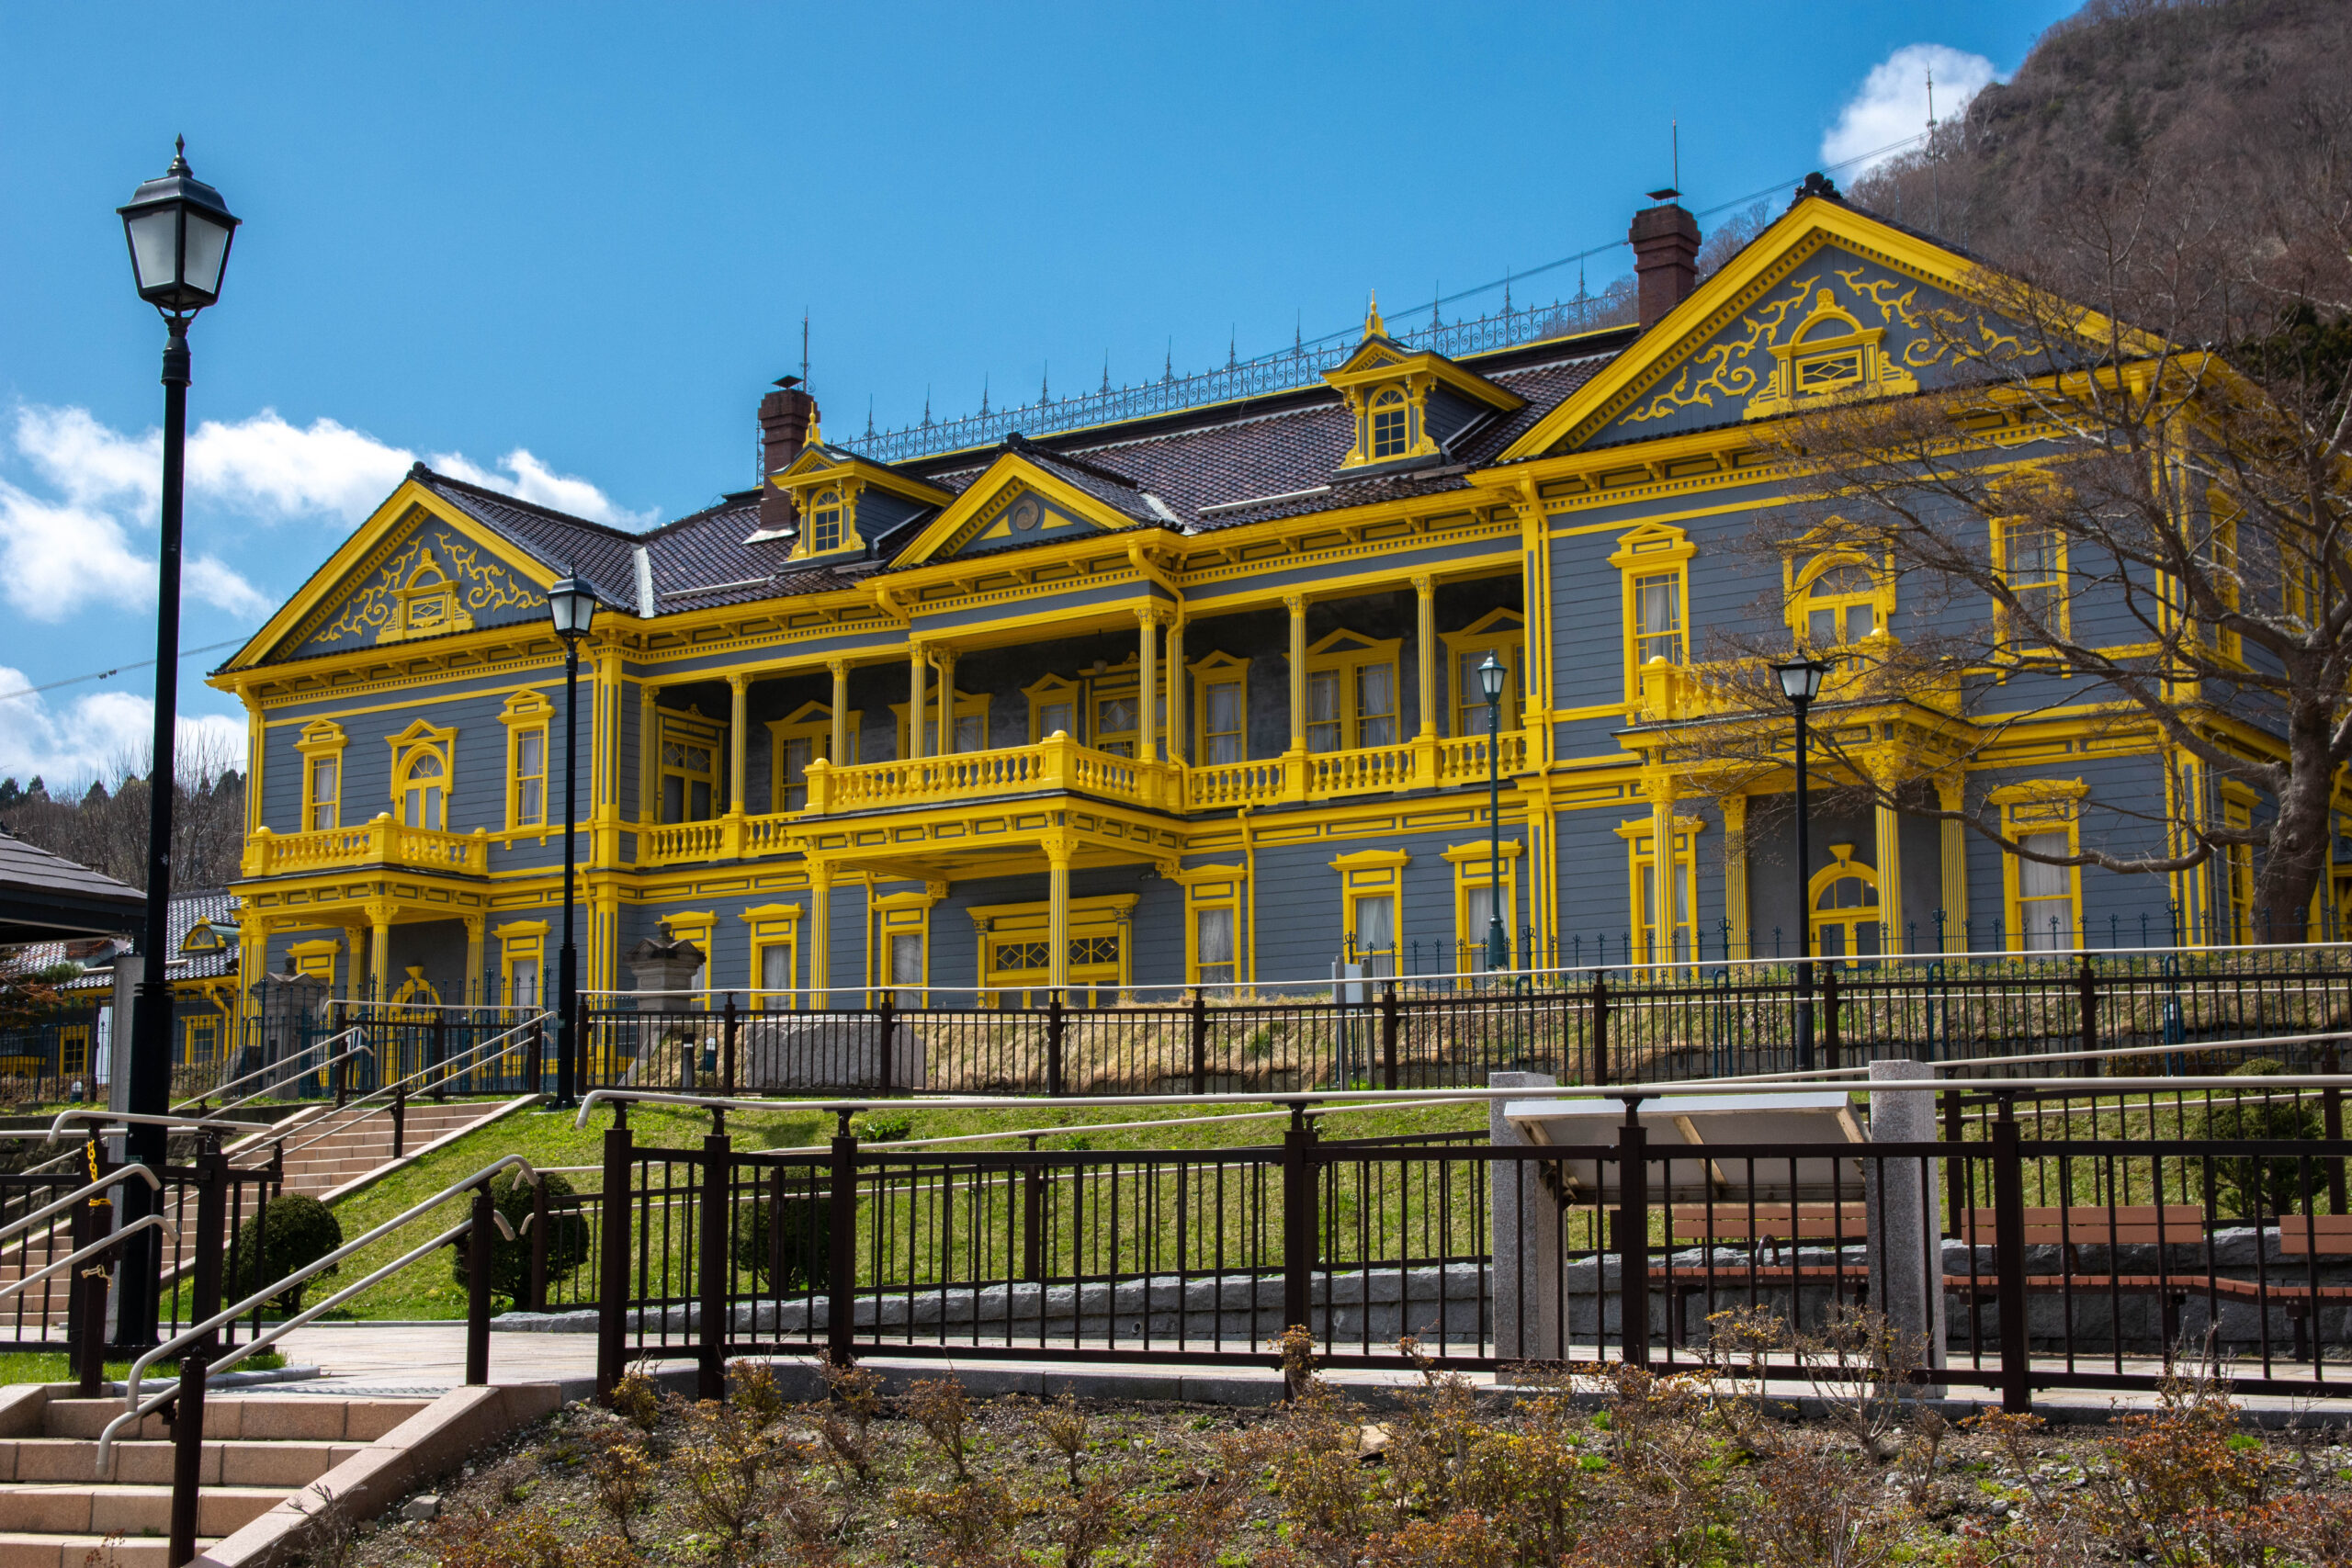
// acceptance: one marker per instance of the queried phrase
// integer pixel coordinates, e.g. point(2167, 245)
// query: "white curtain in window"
point(1213, 939)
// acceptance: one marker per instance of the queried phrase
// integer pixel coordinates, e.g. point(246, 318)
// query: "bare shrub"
point(941, 1408)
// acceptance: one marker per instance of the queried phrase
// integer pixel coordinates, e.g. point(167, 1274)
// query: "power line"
point(136, 664)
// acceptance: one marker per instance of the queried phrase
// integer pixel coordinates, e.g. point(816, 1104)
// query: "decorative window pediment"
point(1406, 403)
point(1830, 355)
point(428, 603)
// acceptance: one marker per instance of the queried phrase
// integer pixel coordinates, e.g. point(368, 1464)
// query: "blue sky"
point(564, 248)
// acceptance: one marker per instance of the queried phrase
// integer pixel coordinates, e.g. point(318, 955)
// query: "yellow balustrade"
point(381, 843)
point(1060, 763)
point(1236, 784)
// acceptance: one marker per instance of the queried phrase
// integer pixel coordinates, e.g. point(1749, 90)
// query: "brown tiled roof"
point(1207, 459)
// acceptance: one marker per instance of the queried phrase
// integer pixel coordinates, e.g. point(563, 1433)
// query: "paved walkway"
point(423, 1359)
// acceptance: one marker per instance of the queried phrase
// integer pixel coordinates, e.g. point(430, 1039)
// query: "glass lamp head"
point(571, 604)
point(1801, 679)
point(1491, 675)
point(179, 231)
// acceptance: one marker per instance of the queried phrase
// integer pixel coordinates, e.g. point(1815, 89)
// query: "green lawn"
point(429, 1289)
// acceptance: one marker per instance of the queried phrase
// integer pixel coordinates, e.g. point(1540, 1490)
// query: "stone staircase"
point(56, 1512)
point(334, 1148)
point(343, 1145)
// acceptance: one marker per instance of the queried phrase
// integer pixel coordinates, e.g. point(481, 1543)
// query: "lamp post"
point(571, 604)
point(1800, 682)
point(179, 231)
point(1491, 675)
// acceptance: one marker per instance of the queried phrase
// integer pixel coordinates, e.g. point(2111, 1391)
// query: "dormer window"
point(827, 519)
point(1391, 422)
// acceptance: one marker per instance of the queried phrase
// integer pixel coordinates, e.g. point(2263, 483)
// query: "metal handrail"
point(144, 1221)
point(112, 1179)
point(445, 1067)
point(281, 1066)
point(196, 1333)
point(137, 1119)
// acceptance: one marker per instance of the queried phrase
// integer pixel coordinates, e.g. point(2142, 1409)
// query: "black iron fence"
point(1642, 1024)
point(1999, 1257)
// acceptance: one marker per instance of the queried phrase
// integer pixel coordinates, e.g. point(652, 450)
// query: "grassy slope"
point(429, 1288)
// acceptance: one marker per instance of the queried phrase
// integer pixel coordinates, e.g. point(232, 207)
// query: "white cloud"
point(268, 469)
point(266, 466)
point(56, 558)
point(95, 735)
point(78, 545)
point(1893, 100)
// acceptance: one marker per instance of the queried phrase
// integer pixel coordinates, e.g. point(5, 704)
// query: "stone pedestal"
point(1906, 1223)
point(1526, 1233)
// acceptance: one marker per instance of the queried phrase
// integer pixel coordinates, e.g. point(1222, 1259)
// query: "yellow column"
point(1147, 679)
point(1178, 683)
point(649, 754)
point(1425, 593)
point(916, 683)
point(1297, 605)
point(944, 659)
point(1952, 841)
point(1057, 913)
point(474, 924)
point(738, 721)
point(1889, 824)
point(1736, 872)
point(379, 947)
point(1664, 884)
point(820, 933)
point(839, 670)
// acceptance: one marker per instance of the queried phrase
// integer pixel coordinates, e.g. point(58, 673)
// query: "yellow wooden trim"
point(1210, 669)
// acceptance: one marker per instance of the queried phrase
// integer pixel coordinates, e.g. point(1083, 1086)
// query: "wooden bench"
point(1771, 1223)
point(2313, 1237)
point(2124, 1224)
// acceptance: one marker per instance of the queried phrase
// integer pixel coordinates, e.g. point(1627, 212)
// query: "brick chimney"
point(785, 415)
point(1666, 250)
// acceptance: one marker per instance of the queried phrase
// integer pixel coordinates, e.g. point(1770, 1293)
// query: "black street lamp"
point(1491, 675)
point(179, 231)
point(1800, 682)
point(571, 604)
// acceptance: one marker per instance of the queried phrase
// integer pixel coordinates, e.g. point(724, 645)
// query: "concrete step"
point(148, 1463)
point(90, 1508)
point(25, 1549)
point(251, 1417)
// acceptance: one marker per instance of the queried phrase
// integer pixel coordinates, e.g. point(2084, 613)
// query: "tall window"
point(1672, 933)
point(795, 742)
point(523, 982)
point(1475, 903)
point(2237, 871)
point(969, 731)
point(825, 522)
point(1116, 718)
point(1499, 634)
point(2033, 568)
point(2045, 895)
point(792, 757)
point(776, 954)
point(522, 950)
point(530, 777)
point(325, 793)
point(2045, 901)
point(1372, 885)
point(1657, 619)
point(1223, 738)
point(1391, 422)
point(1212, 948)
point(320, 746)
point(1351, 693)
point(689, 768)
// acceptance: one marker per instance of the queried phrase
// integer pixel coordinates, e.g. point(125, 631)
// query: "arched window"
point(1846, 913)
point(1390, 419)
point(1840, 607)
point(424, 789)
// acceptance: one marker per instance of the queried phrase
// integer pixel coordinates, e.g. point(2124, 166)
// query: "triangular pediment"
point(1827, 303)
point(1015, 504)
point(418, 568)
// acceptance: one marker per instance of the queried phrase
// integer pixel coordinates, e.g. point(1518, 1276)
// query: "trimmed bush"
point(807, 1240)
point(292, 1233)
point(510, 1261)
